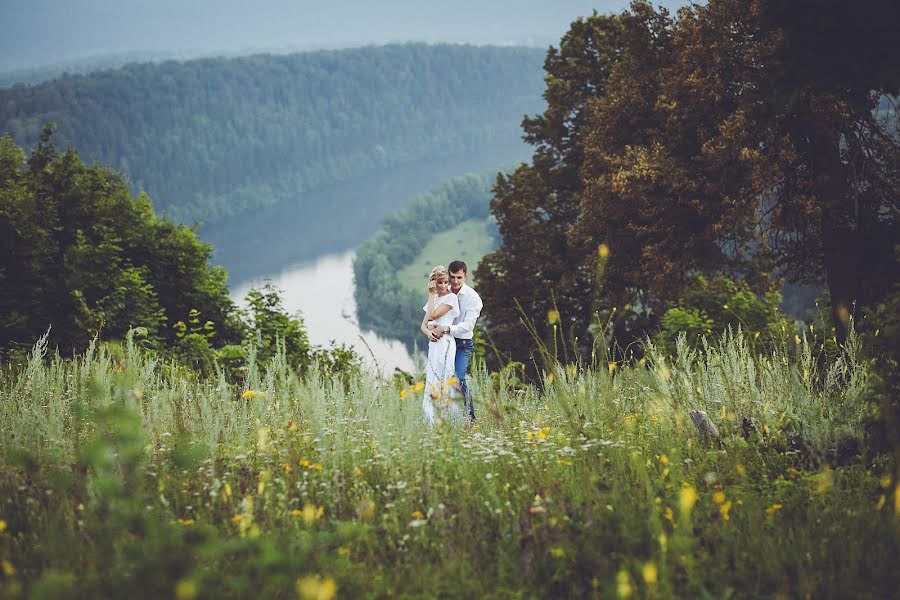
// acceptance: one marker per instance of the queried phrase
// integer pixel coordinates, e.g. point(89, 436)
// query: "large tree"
point(701, 144)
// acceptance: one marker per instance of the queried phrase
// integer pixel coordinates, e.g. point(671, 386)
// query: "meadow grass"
point(124, 477)
point(468, 241)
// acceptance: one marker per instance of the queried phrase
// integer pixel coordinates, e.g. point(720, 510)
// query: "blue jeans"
point(463, 354)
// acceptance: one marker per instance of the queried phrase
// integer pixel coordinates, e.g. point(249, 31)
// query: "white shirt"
point(470, 306)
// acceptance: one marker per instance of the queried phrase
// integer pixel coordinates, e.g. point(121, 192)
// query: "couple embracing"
point(449, 324)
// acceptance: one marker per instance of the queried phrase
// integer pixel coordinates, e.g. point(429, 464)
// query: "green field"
point(468, 241)
point(121, 477)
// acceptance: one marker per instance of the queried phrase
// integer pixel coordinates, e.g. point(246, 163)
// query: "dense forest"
point(215, 137)
point(383, 304)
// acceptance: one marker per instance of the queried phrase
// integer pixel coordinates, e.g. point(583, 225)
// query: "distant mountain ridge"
point(210, 138)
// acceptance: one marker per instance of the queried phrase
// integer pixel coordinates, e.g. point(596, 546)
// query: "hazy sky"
point(40, 32)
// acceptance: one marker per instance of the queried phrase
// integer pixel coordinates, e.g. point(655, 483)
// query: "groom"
point(463, 327)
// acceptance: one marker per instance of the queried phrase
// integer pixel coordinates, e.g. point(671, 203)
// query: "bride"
point(442, 307)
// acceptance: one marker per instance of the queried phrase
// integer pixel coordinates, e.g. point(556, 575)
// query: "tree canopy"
point(698, 144)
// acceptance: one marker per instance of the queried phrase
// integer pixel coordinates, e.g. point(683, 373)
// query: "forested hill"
point(215, 137)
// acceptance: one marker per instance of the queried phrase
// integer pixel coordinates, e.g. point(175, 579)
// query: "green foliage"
point(116, 480)
point(272, 327)
point(707, 307)
point(80, 254)
point(215, 137)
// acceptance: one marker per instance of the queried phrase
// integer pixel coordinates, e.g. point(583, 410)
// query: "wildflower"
point(886, 481)
point(314, 587)
point(403, 394)
point(417, 514)
point(611, 366)
point(186, 522)
point(420, 386)
point(725, 509)
point(296, 513)
point(185, 589)
point(719, 498)
point(452, 381)
point(687, 498)
point(417, 523)
point(603, 251)
point(550, 379)
point(740, 469)
point(537, 508)
point(670, 516)
point(725, 307)
point(775, 507)
point(311, 513)
point(2, 525)
point(553, 316)
point(650, 573)
point(304, 463)
point(291, 425)
point(623, 584)
point(237, 519)
point(343, 551)
point(558, 551)
point(287, 468)
point(663, 542)
point(357, 471)
point(664, 459)
point(8, 569)
point(226, 491)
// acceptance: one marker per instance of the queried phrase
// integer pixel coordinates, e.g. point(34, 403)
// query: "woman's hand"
point(432, 286)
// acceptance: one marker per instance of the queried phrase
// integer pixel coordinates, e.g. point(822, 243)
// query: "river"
point(306, 247)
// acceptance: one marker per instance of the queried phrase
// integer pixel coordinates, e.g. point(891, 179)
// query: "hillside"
point(216, 137)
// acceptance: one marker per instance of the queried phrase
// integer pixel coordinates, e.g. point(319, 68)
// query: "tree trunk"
point(839, 230)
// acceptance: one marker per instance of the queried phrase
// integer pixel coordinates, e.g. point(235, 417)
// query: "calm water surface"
point(322, 290)
point(306, 247)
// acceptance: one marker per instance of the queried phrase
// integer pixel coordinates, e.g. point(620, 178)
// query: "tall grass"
point(122, 477)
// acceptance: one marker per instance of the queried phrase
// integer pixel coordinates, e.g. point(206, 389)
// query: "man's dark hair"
point(456, 266)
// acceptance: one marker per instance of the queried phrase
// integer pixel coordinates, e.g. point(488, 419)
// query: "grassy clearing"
point(119, 478)
point(468, 241)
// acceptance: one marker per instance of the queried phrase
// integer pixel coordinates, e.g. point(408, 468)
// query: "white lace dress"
point(438, 400)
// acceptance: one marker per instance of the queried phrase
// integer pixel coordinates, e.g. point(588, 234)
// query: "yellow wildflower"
point(725, 509)
point(420, 386)
point(357, 471)
point(287, 468)
point(2, 525)
point(603, 251)
point(8, 569)
point(623, 584)
point(312, 512)
point(771, 510)
point(314, 587)
point(417, 514)
point(452, 381)
point(740, 469)
point(687, 498)
point(649, 573)
point(553, 316)
point(664, 459)
point(296, 513)
point(719, 497)
point(304, 463)
point(186, 522)
point(185, 589)
point(669, 514)
point(237, 519)
point(886, 481)
point(403, 394)
point(611, 366)
point(226, 491)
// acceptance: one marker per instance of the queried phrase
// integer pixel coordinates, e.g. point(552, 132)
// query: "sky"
point(35, 33)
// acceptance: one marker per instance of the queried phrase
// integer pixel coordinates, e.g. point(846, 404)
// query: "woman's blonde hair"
point(438, 272)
